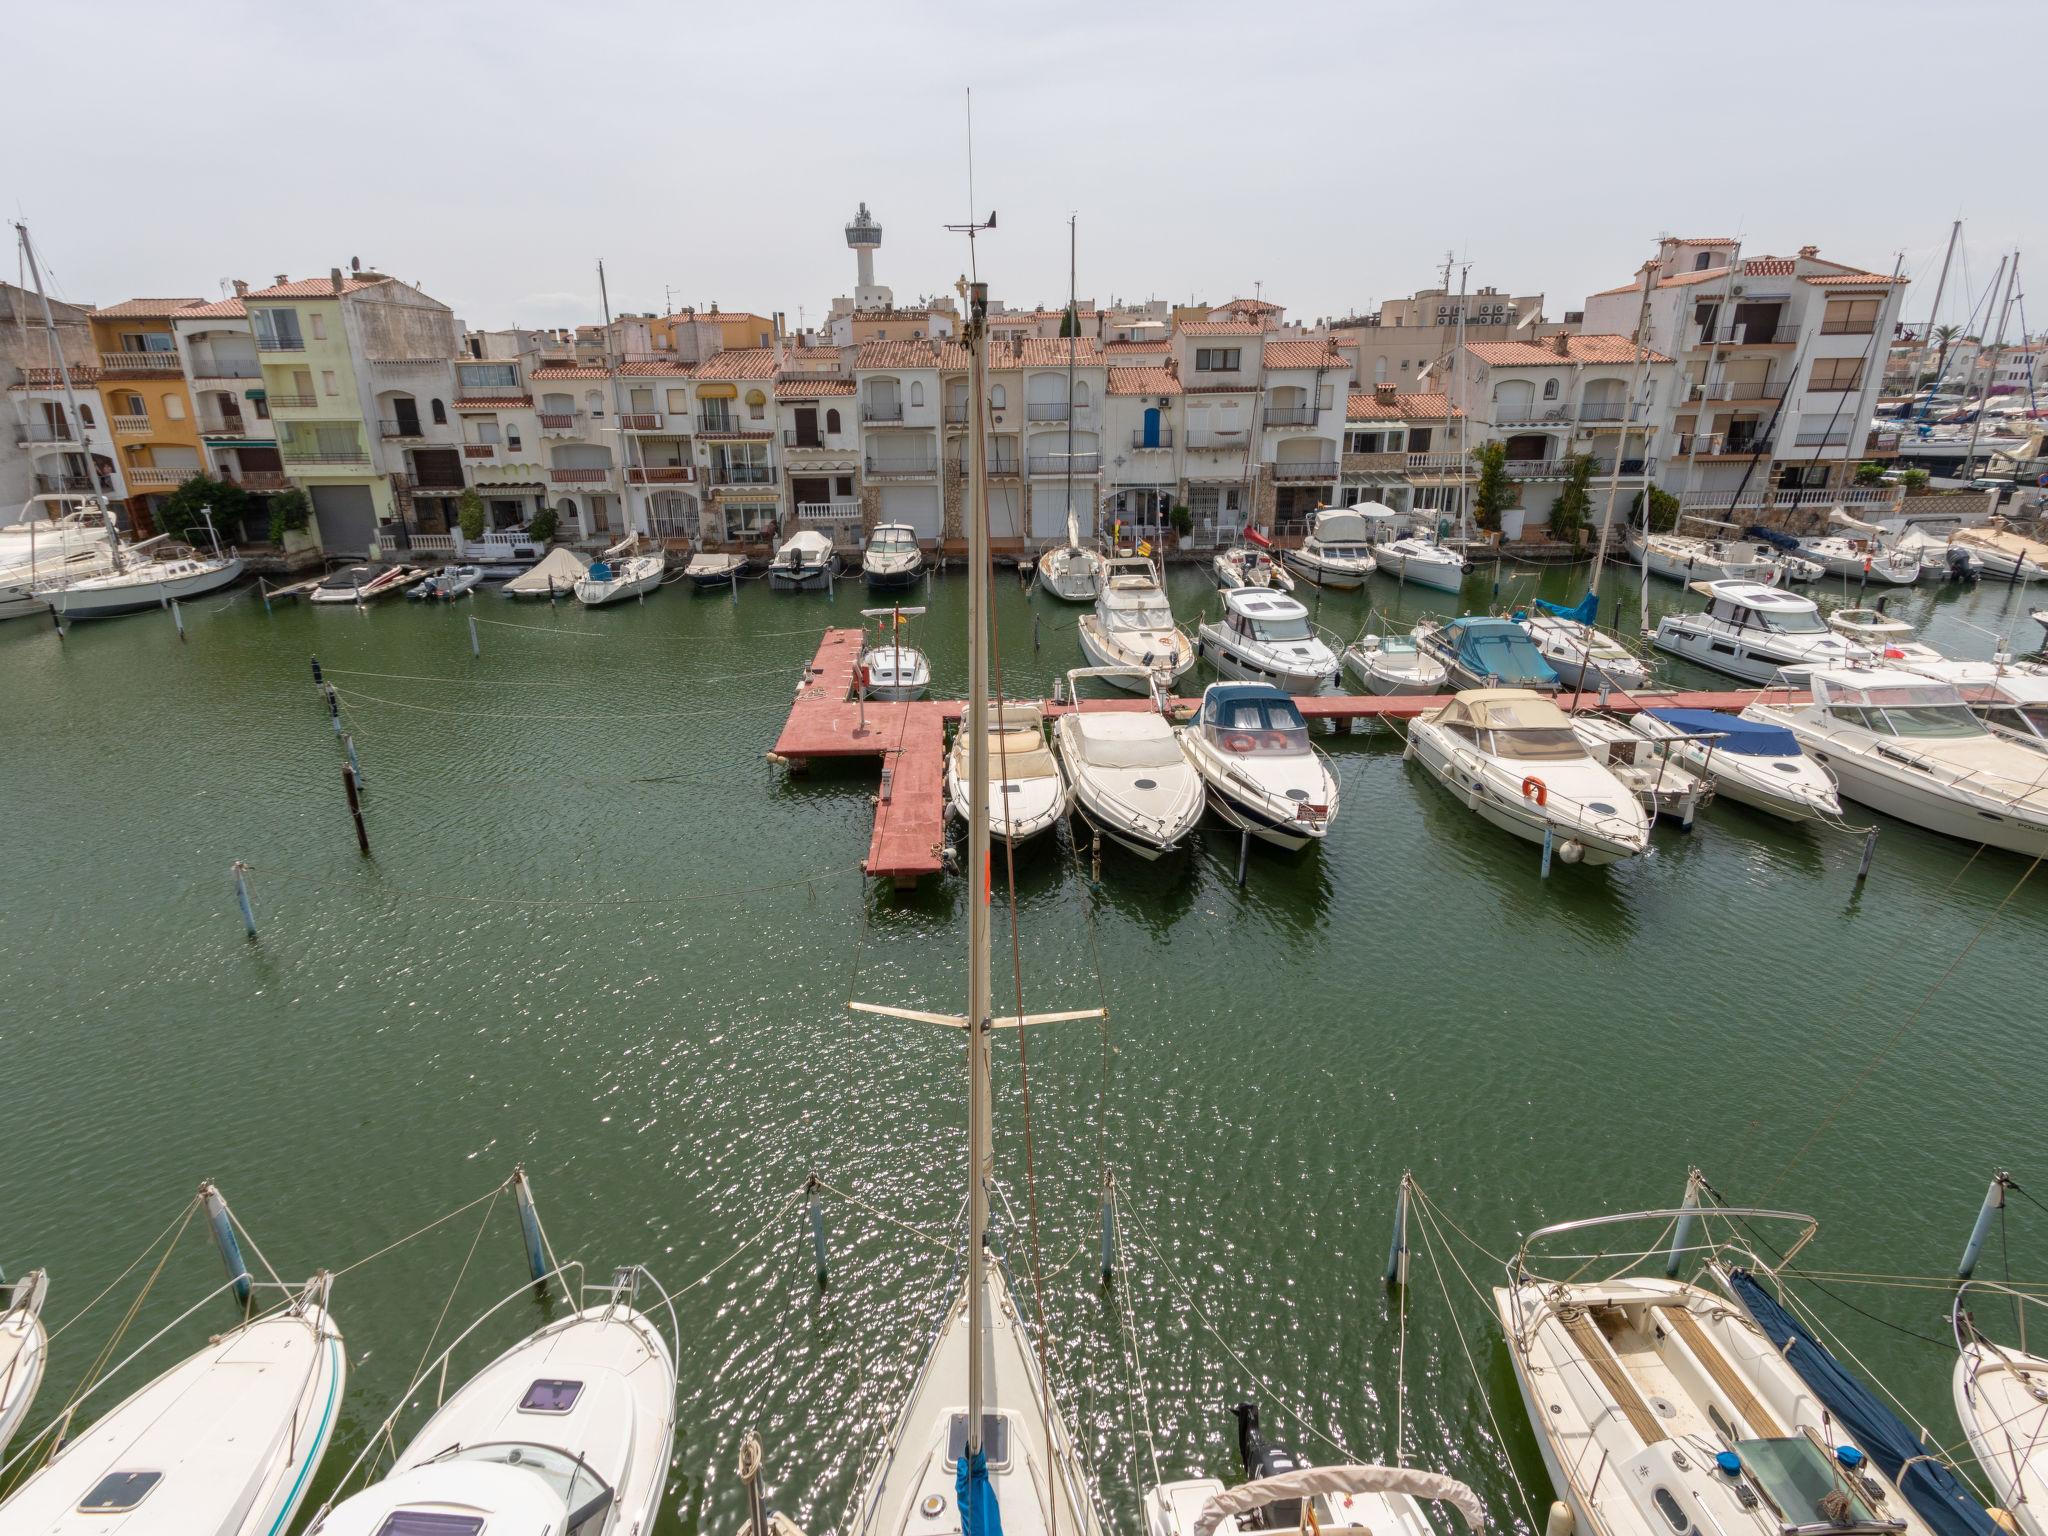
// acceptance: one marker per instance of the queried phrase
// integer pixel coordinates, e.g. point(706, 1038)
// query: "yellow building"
point(149, 409)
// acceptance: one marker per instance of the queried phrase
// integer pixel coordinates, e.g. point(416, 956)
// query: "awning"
point(718, 392)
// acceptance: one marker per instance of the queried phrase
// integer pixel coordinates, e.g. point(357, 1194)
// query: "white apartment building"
point(1219, 366)
point(43, 449)
point(739, 471)
point(1397, 445)
point(580, 450)
point(502, 452)
point(1307, 391)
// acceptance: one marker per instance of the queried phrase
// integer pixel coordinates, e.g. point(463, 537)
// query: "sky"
point(1327, 156)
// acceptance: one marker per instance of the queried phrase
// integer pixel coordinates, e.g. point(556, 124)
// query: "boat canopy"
point(1929, 1485)
point(1310, 1481)
point(1773, 537)
point(1489, 647)
point(1126, 739)
point(1345, 527)
point(1585, 611)
point(1732, 733)
point(1502, 709)
point(561, 568)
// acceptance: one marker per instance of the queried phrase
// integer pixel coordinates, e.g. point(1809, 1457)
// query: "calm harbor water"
point(602, 936)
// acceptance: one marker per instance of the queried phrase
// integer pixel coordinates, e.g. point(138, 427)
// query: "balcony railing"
point(1305, 469)
point(1746, 333)
point(479, 450)
point(491, 396)
point(1532, 416)
point(641, 421)
point(1738, 389)
point(712, 425)
point(263, 480)
point(1848, 327)
point(956, 413)
point(1291, 415)
point(54, 485)
point(999, 468)
point(1047, 410)
point(291, 402)
point(743, 474)
point(139, 362)
point(558, 421)
point(42, 432)
point(1719, 445)
point(1057, 463)
point(828, 511)
point(1631, 469)
point(884, 411)
point(280, 343)
point(222, 426)
point(886, 469)
point(400, 430)
point(293, 455)
point(1163, 438)
point(1535, 469)
point(1603, 412)
point(1436, 462)
point(1838, 438)
point(226, 367)
point(661, 474)
point(814, 443)
point(1217, 442)
point(579, 476)
point(437, 480)
point(148, 478)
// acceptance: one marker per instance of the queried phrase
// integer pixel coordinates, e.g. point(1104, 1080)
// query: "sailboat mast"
point(1073, 341)
point(1955, 230)
point(1635, 373)
point(979, 998)
point(28, 252)
point(2012, 278)
point(626, 439)
point(1464, 416)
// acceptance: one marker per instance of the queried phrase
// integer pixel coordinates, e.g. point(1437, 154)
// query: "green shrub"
point(288, 513)
point(542, 528)
point(470, 514)
point(182, 514)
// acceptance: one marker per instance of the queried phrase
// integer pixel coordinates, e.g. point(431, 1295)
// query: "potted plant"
point(1495, 498)
point(1183, 524)
point(543, 525)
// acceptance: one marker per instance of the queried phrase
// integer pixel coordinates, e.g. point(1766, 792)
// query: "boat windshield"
point(1791, 621)
point(582, 1492)
point(1535, 744)
point(893, 541)
point(1803, 1485)
point(1903, 709)
point(1257, 725)
point(1346, 551)
point(1294, 628)
point(1145, 616)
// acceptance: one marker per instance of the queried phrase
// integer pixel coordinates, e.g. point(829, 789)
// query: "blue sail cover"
point(1772, 537)
point(1732, 733)
point(1497, 648)
point(1931, 1488)
point(1586, 610)
point(976, 1495)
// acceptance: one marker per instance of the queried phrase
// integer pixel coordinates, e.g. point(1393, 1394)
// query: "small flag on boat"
point(1144, 546)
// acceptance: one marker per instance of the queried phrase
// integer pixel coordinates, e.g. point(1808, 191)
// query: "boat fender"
point(1466, 569)
point(1559, 1521)
point(1240, 741)
point(1535, 789)
point(1571, 850)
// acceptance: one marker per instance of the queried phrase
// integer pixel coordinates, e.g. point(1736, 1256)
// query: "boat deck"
point(909, 741)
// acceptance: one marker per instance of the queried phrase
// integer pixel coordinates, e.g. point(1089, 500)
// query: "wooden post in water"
point(1244, 852)
point(348, 745)
point(318, 680)
point(355, 808)
point(1547, 837)
point(333, 707)
point(1869, 853)
point(475, 645)
point(818, 1233)
point(241, 873)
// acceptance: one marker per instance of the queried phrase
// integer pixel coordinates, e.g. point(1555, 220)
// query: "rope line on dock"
point(1125, 1312)
point(579, 902)
point(942, 1244)
point(545, 629)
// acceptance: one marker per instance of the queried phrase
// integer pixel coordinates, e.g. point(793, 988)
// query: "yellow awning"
point(717, 392)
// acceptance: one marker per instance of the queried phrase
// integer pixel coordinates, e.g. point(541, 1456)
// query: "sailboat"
point(24, 1350)
point(1070, 572)
point(979, 1427)
point(618, 574)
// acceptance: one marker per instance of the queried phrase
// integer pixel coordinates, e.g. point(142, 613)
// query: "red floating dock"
point(910, 740)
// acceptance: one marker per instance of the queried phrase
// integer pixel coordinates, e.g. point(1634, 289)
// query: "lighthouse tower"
point(864, 235)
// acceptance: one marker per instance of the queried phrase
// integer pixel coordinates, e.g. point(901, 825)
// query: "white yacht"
point(1510, 754)
point(1684, 557)
point(804, 562)
point(620, 574)
point(57, 540)
point(1072, 572)
point(892, 557)
point(1909, 746)
point(1251, 747)
point(1133, 624)
point(225, 1443)
point(1757, 764)
point(134, 586)
point(1749, 630)
point(567, 1431)
point(2002, 553)
point(1583, 655)
point(1266, 637)
point(1336, 552)
point(1408, 556)
point(1028, 792)
point(1393, 665)
point(25, 1346)
point(889, 669)
point(1861, 560)
point(1129, 777)
point(2001, 1393)
point(1244, 565)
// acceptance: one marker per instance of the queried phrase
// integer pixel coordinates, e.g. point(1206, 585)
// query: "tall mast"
point(1073, 341)
point(1636, 365)
point(980, 1150)
point(626, 439)
point(1464, 416)
point(28, 252)
point(1934, 314)
point(2012, 278)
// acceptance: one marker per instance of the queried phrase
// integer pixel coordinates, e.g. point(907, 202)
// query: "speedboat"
point(1283, 1492)
point(1862, 559)
point(1027, 790)
point(1251, 747)
point(892, 558)
point(225, 1443)
point(25, 1347)
point(1757, 764)
point(1265, 637)
point(1130, 779)
point(2001, 1393)
point(360, 583)
point(1909, 746)
point(1072, 573)
point(1408, 556)
point(450, 583)
point(1665, 786)
point(2002, 553)
point(619, 574)
point(1393, 665)
point(1749, 631)
point(147, 584)
point(1583, 655)
point(1244, 566)
point(889, 669)
point(1938, 557)
point(709, 573)
point(1133, 625)
point(1511, 755)
point(1336, 552)
point(569, 1430)
point(1482, 652)
point(804, 562)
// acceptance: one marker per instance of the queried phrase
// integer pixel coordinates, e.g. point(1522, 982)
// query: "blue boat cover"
point(1585, 611)
point(1930, 1487)
point(1489, 647)
point(599, 571)
point(1772, 537)
point(976, 1496)
point(1745, 738)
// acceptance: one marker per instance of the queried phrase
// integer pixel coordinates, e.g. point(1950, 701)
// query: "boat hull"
point(811, 578)
point(1345, 577)
point(1101, 654)
point(1910, 802)
point(892, 581)
point(1441, 575)
point(1070, 574)
point(1521, 816)
point(1730, 654)
point(1212, 646)
point(70, 603)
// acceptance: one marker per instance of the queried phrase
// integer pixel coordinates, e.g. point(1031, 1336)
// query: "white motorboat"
point(889, 669)
point(360, 583)
point(1250, 744)
point(1133, 624)
point(1749, 630)
point(1480, 651)
point(1666, 788)
point(1938, 557)
point(1408, 556)
point(1073, 573)
point(569, 1430)
point(804, 562)
point(1683, 557)
point(1266, 637)
point(1583, 655)
point(25, 1346)
point(1862, 560)
point(1871, 627)
point(225, 1443)
point(141, 585)
point(1511, 755)
point(892, 557)
point(58, 540)
point(2002, 553)
point(557, 571)
point(1757, 764)
point(619, 574)
point(1027, 790)
point(1246, 566)
point(2001, 1393)
point(714, 573)
point(1909, 746)
point(1336, 552)
point(1394, 665)
point(2009, 696)
point(449, 583)
point(1129, 776)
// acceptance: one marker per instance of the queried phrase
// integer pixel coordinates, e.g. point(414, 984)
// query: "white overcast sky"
point(1333, 153)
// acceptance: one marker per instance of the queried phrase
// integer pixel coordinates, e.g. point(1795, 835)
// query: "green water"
point(602, 936)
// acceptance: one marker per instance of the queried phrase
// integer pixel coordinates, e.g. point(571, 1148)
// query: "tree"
point(1870, 472)
point(183, 513)
point(1494, 493)
point(288, 513)
point(1070, 322)
point(1575, 502)
point(1183, 521)
point(1913, 479)
point(1663, 510)
point(469, 512)
point(541, 529)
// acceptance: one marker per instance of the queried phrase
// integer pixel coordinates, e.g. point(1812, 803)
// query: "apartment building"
point(1406, 340)
point(654, 433)
point(818, 424)
point(901, 400)
point(46, 449)
point(1397, 445)
point(148, 408)
point(502, 454)
point(1307, 389)
point(1219, 365)
point(737, 462)
point(217, 353)
point(1780, 362)
point(1052, 392)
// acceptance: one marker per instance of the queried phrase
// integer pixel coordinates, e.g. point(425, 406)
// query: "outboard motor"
point(1958, 564)
point(1262, 1459)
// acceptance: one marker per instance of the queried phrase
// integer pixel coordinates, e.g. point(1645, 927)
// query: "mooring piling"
point(811, 1187)
point(1681, 1234)
point(1994, 1202)
point(475, 645)
point(1397, 1250)
point(224, 1239)
point(1108, 1228)
point(355, 807)
point(178, 618)
point(529, 1225)
point(241, 873)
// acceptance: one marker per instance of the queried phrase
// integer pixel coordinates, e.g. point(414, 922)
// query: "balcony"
point(1531, 416)
point(280, 343)
point(828, 512)
point(259, 480)
point(907, 468)
point(491, 397)
point(130, 426)
point(883, 412)
point(1747, 333)
point(223, 426)
point(142, 477)
point(579, 476)
point(57, 485)
point(1602, 412)
point(661, 474)
point(1291, 415)
point(479, 450)
point(999, 468)
point(1738, 389)
point(437, 480)
point(1837, 437)
point(153, 364)
point(401, 431)
point(1721, 445)
point(1163, 438)
point(643, 421)
point(1058, 463)
point(558, 423)
point(1848, 327)
point(295, 455)
point(956, 413)
point(279, 402)
point(1536, 469)
point(814, 442)
point(32, 432)
point(208, 368)
point(743, 474)
point(1047, 410)
point(1631, 469)
point(1294, 471)
point(1435, 463)
point(1217, 442)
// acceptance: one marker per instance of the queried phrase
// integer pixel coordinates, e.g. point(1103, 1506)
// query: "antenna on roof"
point(971, 228)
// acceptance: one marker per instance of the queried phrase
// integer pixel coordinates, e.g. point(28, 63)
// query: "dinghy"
point(558, 571)
point(449, 583)
point(1129, 777)
point(1250, 744)
point(24, 1349)
point(1027, 790)
point(1393, 665)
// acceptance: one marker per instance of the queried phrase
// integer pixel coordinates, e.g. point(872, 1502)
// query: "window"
point(421, 1522)
point(487, 430)
point(757, 403)
point(593, 401)
point(1216, 359)
point(511, 439)
point(843, 486)
point(1670, 1509)
point(551, 1396)
point(1080, 392)
point(440, 414)
point(679, 402)
point(1550, 389)
point(118, 1491)
point(916, 393)
point(277, 329)
point(1404, 365)
point(488, 375)
point(85, 414)
point(1835, 375)
point(831, 421)
point(131, 405)
point(1418, 439)
point(319, 327)
point(262, 409)
point(174, 407)
point(1379, 370)
point(1703, 261)
point(998, 397)
point(1851, 317)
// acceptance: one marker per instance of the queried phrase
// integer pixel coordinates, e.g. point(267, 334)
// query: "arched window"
point(85, 414)
point(1080, 391)
point(917, 392)
point(440, 414)
point(1704, 260)
point(757, 404)
point(1550, 389)
point(997, 397)
point(832, 421)
point(593, 401)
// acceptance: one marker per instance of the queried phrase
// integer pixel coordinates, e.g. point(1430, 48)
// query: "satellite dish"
point(355, 263)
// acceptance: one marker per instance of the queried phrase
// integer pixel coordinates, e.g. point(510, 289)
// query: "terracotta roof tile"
point(1856, 279)
point(46, 378)
point(1768, 266)
point(1051, 352)
point(1579, 349)
point(1144, 381)
point(738, 363)
point(1131, 349)
point(1250, 307)
point(655, 368)
point(922, 353)
point(1222, 328)
point(810, 387)
point(567, 371)
point(145, 309)
point(1707, 240)
point(316, 288)
point(1303, 354)
point(1364, 405)
point(226, 309)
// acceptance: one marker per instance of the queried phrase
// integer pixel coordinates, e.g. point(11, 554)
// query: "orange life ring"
point(1276, 740)
point(1535, 789)
point(1241, 741)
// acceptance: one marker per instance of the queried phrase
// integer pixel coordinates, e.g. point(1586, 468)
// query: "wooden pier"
point(909, 741)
